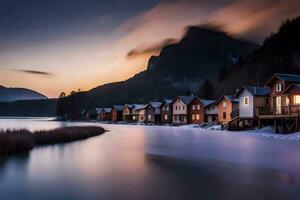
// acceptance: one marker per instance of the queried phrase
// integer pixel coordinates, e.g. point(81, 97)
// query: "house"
point(90, 114)
point(127, 112)
point(135, 111)
point(117, 113)
point(210, 110)
point(284, 95)
point(187, 109)
point(141, 114)
point(153, 112)
point(228, 107)
point(166, 111)
point(105, 114)
point(251, 97)
point(283, 110)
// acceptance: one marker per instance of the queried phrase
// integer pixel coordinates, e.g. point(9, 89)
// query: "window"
point(183, 108)
point(193, 107)
point(178, 107)
point(278, 87)
point(167, 108)
point(175, 107)
point(224, 104)
point(246, 101)
point(198, 107)
point(267, 100)
point(297, 99)
point(149, 117)
point(287, 101)
point(133, 117)
point(193, 116)
point(166, 117)
point(224, 115)
point(197, 117)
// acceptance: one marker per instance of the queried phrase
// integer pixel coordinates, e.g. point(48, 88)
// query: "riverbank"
point(23, 140)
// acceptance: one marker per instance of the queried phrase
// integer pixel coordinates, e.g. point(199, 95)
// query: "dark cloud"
point(150, 49)
point(34, 72)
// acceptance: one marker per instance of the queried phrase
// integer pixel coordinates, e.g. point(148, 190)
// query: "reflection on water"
point(135, 162)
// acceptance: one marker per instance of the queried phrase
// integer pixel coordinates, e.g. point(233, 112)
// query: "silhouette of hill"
point(16, 94)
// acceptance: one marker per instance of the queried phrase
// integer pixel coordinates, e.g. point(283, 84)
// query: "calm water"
point(135, 162)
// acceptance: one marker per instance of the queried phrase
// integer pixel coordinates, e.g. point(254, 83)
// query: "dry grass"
point(22, 141)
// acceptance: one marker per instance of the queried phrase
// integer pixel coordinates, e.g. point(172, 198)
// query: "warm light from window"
point(297, 99)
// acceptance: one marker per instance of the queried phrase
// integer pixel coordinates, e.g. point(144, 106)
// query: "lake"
point(139, 162)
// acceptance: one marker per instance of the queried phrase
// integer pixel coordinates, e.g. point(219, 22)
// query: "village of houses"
point(275, 104)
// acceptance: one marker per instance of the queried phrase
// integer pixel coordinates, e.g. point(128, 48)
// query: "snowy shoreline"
point(266, 132)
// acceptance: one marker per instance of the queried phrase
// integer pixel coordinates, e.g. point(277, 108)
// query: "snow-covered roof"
point(155, 104)
point(207, 102)
point(255, 91)
point(139, 106)
point(286, 77)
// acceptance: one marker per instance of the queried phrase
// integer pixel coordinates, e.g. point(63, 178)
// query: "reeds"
point(22, 140)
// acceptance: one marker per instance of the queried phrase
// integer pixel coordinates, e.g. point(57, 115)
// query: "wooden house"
point(166, 112)
point(153, 112)
point(117, 113)
point(210, 110)
point(127, 112)
point(141, 112)
point(228, 107)
point(251, 97)
point(284, 95)
point(283, 109)
point(105, 114)
point(135, 111)
point(187, 109)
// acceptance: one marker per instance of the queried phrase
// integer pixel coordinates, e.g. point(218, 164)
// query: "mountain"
point(179, 69)
point(280, 53)
point(16, 94)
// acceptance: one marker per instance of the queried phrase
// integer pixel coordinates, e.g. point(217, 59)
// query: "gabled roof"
point(206, 102)
point(139, 106)
point(107, 110)
point(285, 77)
point(186, 99)
point(155, 104)
point(255, 91)
point(229, 97)
point(118, 107)
point(292, 86)
point(99, 110)
point(167, 101)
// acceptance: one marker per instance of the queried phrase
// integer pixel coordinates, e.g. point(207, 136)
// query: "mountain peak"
point(16, 94)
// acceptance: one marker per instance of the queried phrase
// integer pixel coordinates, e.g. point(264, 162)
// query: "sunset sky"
point(62, 45)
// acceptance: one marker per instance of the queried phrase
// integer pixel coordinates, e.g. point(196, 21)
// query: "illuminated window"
point(166, 117)
point(246, 101)
point(149, 117)
point(193, 107)
point(297, 99)
point(193, 116)
point(197, 117)
point(198, 107)
point(278, 87)
point(287, 101)
point(224, 104)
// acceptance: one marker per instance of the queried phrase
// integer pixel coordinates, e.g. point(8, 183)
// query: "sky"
point(62, 45)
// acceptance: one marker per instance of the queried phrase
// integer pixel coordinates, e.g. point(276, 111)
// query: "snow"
point(266, 132)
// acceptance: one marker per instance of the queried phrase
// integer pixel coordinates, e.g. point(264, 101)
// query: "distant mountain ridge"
point(17, 94)
point(180, 68)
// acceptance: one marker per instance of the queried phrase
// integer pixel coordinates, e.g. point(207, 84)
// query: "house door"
point(278, 105)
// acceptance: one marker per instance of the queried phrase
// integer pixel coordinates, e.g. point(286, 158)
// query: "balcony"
point(292, 110)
